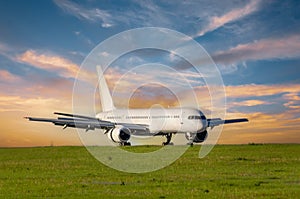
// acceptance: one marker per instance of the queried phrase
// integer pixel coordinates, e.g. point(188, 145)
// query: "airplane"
point(121, 124)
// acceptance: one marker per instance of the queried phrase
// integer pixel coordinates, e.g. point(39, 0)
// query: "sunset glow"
point(255, 45)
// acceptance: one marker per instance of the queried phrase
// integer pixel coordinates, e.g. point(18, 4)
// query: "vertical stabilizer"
point(105, 96)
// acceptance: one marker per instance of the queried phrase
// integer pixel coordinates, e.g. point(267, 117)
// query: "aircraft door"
point(188, 125)
point(184, 121)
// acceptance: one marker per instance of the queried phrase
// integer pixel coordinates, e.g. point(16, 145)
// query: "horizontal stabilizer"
point(77, 116)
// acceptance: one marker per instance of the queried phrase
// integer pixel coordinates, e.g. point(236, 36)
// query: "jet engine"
point(200, 137)
point(119, 134)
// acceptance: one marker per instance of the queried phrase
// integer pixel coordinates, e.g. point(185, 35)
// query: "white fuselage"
point(172, 120)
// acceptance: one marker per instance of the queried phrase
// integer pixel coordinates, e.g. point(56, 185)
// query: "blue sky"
point(255, 44)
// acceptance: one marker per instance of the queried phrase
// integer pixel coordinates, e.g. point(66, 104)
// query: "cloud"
point(244, 97)
point(53, 63)
point(153, 94)
point(13, 91)
point(84, 38)
point(148, 13)
point(7, 77)
point(16, 131)
point(293, 100)
point(250, 90)
point(106, 25)
point(249, 103)
point(92, 15)
point(288, 93)
point(248, 95)
point(38, 99)
point(142, 14)
point(265, 49)
point(233, 15)
point(50, 63)
point(180, 15)
point(25, 104)
point(262, 128)
point(6, 51)
point(121, 80)
point(281, 98)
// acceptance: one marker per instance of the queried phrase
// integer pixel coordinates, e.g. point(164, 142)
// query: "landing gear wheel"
point(169, 137)
point(190, 143)
point(125, 144)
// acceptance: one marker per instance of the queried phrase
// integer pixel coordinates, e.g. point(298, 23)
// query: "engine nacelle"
point(200, 137)
point(119, 134)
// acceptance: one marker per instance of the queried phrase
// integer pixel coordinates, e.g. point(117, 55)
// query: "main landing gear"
point(169, 137)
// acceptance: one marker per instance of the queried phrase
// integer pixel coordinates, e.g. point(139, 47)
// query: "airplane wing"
point(84, 122)
point(218, 121)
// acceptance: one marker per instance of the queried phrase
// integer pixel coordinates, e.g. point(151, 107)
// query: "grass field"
point(229, 171)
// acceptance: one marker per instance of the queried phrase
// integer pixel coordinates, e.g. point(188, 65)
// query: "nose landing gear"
point(190, 137)
point(169, 137)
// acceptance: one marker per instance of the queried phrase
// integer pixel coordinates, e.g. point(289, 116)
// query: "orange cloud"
point(250, 90)
point(164, 97)
point(293, 100)
point(35, 97)
point(202, 96)
point(290, 96)
point(16, 131)
point(262, 128)
point(38, 105)
point(53, 63)
point(249, 103)
point(8, 77)
point(140, 102)
point(124, 85)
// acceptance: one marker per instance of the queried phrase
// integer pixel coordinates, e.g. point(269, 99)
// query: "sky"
point(255, 45)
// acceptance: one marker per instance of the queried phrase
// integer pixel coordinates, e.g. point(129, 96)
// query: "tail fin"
point(105, 96)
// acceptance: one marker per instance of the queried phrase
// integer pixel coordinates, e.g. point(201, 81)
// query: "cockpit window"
point(196, 117)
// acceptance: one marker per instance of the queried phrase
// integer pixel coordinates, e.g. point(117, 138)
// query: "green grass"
point(237, 171)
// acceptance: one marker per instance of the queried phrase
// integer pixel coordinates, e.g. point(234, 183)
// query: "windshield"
point(196, 117)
